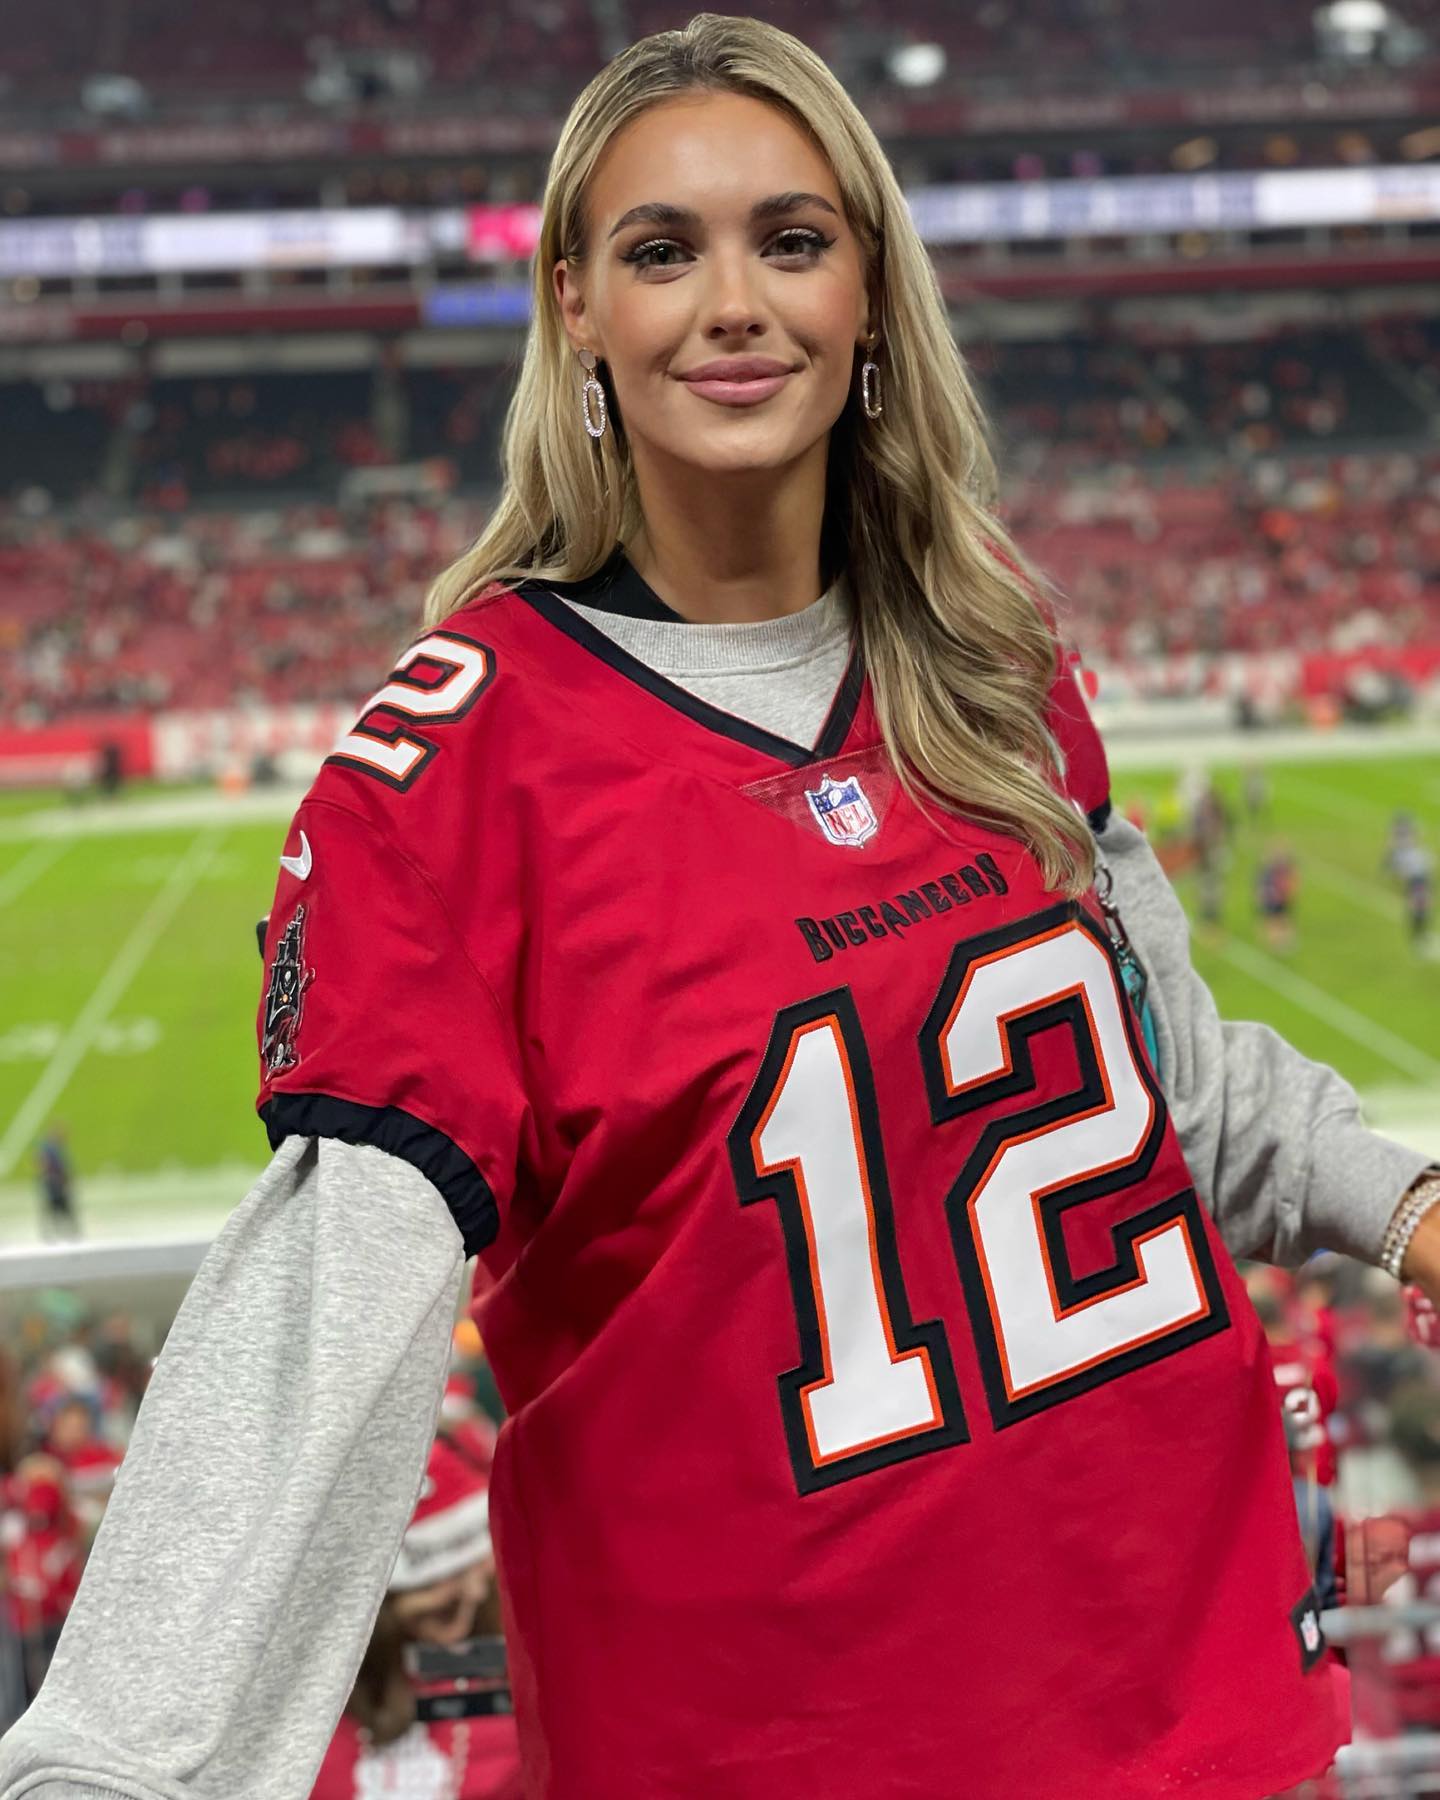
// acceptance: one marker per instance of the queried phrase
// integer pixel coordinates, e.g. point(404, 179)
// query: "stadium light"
point(1370, 16)
point(916, 65)
point(1353, 30)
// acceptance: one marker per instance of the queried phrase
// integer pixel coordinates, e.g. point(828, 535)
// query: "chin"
point(732, 459)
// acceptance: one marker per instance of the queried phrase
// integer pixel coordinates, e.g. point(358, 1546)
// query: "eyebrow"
point(662, 212)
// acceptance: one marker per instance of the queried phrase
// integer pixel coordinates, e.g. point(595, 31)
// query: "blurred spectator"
point(442, 1594)
point(1305, 1377)
point(1276, 882)
point(57, 1186)
point(71, 1384)
point(1377, 1359)
point(88, 1461)
point(44, 1554)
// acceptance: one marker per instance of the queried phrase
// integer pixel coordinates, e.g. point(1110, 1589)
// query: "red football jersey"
point(886, 1416)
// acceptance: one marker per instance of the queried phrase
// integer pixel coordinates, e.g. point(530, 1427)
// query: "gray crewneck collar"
point(678, 648)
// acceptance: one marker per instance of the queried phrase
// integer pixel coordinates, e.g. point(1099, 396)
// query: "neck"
point(742, 547)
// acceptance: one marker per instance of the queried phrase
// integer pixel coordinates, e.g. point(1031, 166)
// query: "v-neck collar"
point(620, 588)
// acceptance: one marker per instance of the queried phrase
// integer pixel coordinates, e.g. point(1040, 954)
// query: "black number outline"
point(403, 733)
point(905, 1332)
point(945, 1106)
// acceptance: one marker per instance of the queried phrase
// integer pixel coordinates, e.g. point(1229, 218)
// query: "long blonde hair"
point(959, 652)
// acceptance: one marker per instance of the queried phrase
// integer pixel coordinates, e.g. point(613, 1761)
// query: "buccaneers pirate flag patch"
point(285, 996)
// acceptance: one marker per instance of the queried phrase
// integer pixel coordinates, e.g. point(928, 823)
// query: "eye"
point(803, 240)
point(641, 253)
point(809, 240)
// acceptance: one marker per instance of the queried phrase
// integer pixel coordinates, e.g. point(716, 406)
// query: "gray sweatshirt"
point(280, 1448)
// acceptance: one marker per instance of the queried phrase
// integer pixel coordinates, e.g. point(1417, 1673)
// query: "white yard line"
point(170, 1189)
point(29, 868)
point(106, 995)
point(174, 812)
point(1387, 905)
point(1399, 1053)
point(1323, 798)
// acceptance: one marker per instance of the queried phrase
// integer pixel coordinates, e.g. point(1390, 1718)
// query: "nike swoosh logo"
point(299, 866)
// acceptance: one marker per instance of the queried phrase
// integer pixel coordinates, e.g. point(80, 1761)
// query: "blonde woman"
point(704, 926)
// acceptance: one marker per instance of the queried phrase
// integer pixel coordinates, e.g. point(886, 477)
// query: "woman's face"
point(702, 276)
point(444, 1612)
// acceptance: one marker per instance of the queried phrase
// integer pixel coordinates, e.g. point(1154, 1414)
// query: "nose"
point(734, 309)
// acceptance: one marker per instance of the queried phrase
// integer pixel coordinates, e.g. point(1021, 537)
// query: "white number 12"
point(874, 1387)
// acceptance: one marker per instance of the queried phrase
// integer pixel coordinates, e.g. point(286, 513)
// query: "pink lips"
point(738, 380)
point(740, 393)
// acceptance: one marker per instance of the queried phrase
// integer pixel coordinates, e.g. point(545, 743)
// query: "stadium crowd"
point(1317, 557)
point(302, 603)
point(183, 549)
point(71, 1383)
point(1300, 555)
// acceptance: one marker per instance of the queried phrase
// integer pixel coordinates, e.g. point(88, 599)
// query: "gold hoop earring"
point(592, 390)
point(870, 385)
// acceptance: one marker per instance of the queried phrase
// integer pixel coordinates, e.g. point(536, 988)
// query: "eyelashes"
point(812, 243)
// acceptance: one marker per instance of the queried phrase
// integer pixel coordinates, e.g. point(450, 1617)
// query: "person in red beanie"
point(89, 1462)
point(441, 1592)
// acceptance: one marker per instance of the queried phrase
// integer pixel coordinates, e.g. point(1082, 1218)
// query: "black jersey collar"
point(618, 587)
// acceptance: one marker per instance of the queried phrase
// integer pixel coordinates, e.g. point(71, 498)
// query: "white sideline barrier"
point(1216, 749)
point(87, 1264)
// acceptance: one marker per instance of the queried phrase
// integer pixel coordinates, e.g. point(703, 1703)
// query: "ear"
point(571, 301)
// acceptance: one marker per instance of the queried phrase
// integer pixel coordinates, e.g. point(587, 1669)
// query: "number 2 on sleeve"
point(394, 755)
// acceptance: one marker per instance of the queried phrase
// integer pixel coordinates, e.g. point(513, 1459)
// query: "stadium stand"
point(1218, 499)
point(549, 47)
point(1309, 555)
point(308, 602)
point(261, 50)
point(294, 604)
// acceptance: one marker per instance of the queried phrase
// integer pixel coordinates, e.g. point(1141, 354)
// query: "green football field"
point(130, 977)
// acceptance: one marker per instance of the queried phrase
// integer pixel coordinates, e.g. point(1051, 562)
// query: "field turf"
point(130, 978)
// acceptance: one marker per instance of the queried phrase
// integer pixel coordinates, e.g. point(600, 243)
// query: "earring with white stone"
point(592, 392)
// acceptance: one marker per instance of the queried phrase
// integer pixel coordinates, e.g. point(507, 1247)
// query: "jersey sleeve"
point(376, 1027)
point(1085, 767)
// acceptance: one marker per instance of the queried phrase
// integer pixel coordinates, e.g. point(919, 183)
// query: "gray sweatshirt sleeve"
point(274, 1465)
point(1275, 1142)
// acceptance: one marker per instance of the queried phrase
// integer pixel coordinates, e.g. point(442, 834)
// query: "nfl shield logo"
point(842, 810)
